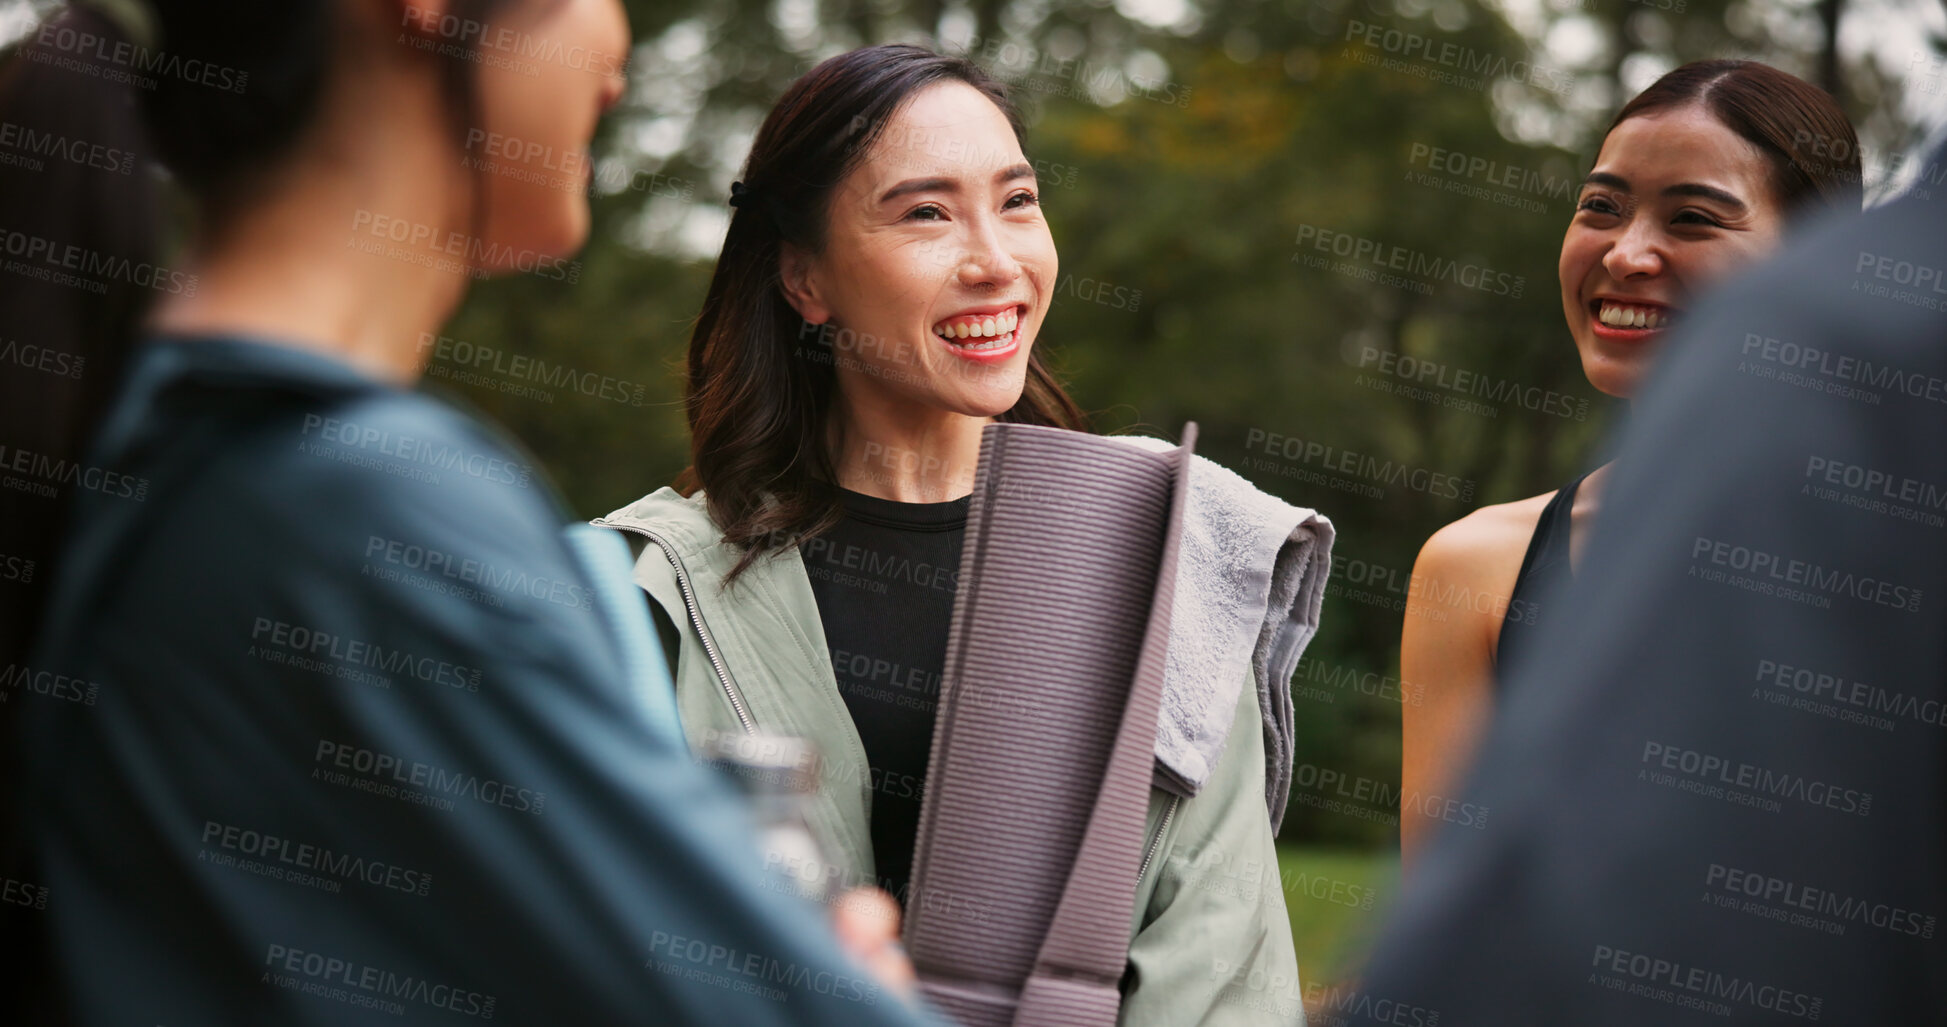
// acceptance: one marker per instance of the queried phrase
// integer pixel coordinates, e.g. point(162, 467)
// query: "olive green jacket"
point(1210, 941)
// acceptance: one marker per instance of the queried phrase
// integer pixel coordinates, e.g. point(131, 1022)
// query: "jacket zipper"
point(737, 703)
point(742, 710)
point(1162, 828)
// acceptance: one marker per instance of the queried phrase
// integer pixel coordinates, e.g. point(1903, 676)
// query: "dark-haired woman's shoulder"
point(303, 487)
point(1466, 572)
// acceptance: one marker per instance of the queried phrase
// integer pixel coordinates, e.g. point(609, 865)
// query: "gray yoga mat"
point(1031, 826)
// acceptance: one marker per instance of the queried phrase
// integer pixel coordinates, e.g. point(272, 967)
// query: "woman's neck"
point(1582, 514)
point(313, 262)
point(908, 454)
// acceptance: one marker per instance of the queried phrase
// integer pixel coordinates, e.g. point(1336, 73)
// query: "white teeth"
point(1619, 316)
point(1001, 324)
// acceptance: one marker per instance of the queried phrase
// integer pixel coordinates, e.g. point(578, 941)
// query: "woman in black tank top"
point(1544, 569)
point(1687, 188)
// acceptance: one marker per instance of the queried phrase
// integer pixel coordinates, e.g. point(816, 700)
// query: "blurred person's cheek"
point(541, 81)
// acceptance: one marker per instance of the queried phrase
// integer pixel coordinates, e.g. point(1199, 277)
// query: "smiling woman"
point(885, 203)
point(876, 306)
point(1698, 177)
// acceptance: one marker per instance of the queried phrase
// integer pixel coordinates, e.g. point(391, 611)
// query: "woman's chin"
point(1617, 381)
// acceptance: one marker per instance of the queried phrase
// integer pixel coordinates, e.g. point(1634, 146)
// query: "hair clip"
point(741, 195)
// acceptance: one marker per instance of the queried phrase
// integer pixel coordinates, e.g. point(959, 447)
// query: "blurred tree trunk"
point(987, 18)
point(1829, 53)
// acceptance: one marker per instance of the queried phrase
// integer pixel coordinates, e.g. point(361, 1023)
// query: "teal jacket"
point(1209, 938)
point(328, 725)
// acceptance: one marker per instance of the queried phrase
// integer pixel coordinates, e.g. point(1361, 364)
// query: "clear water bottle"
point(779, 774)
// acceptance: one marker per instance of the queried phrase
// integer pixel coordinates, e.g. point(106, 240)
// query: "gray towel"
point(1249, 588)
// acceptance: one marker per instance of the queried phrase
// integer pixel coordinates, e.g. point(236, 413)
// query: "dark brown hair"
point(241, 84)
point(758, 408)
point(1806, 138)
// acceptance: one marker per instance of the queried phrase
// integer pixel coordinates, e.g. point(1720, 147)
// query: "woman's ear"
point(801, 287)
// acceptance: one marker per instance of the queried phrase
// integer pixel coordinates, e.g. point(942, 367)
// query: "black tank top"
point(884, 578)
point(1544, 569)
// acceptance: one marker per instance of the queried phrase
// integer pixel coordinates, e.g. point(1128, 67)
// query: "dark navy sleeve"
point(362, 752)
point(1718, 793)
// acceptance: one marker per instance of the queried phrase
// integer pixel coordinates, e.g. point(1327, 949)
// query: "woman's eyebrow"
point(1698, 189)
point(1708, 192)
point(948, 185)
point(920, 185)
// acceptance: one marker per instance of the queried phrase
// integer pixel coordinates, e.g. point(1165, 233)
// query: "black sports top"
point(1544, 569)
point(884, 578)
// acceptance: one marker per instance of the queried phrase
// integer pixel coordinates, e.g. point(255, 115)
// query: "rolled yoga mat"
point(1031, 823)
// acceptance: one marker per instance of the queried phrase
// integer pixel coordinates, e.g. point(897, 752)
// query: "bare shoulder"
point(1484, 548)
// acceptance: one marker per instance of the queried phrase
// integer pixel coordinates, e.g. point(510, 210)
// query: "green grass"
point(1337, 899)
